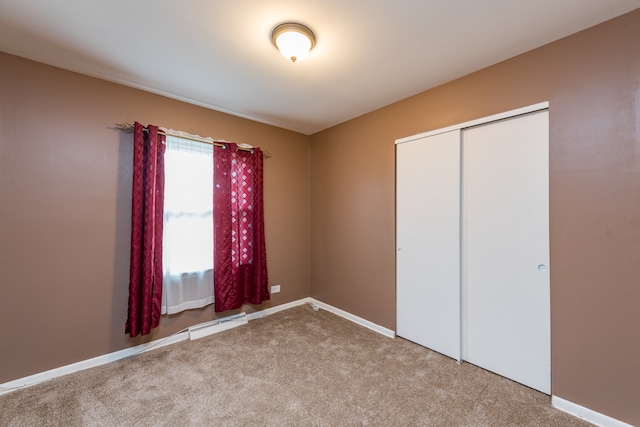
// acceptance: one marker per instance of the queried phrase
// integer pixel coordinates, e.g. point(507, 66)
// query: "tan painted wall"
point(592, 81)
point(65, 201)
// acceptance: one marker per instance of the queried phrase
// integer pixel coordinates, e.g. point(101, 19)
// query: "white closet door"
point(428, 243)
point(505, 258)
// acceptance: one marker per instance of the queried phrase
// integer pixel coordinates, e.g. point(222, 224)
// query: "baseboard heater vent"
point(215, 326)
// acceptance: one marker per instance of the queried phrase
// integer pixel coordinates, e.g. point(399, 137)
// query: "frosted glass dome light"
point(293, 40)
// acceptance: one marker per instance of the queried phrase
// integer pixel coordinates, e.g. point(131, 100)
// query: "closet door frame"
point(401, 319)
point(477, 122)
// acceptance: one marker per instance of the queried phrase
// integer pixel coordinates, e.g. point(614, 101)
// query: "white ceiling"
point(218, 53)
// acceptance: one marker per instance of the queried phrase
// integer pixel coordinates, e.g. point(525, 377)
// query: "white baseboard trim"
point(351, 317)
point(193, 332)
point(355, 319)
point(271, 310)
point(586, 414)
point(90, 363)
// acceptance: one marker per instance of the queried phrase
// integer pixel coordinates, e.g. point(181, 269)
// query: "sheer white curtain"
point(188, 226)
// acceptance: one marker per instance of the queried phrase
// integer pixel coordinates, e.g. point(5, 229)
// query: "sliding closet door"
point(505, 258)
point(428, 243)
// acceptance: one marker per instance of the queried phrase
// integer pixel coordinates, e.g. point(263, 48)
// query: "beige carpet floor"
point(297, 367)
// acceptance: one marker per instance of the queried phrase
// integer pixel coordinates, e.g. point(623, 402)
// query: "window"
point(188, 225)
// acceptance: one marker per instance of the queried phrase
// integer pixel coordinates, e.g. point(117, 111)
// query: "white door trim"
point(481, 121)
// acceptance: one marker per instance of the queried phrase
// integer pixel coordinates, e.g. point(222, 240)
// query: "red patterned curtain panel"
point(240, 261)
point(145, 275)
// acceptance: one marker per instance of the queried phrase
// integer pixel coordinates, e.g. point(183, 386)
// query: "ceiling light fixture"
point(293, 40)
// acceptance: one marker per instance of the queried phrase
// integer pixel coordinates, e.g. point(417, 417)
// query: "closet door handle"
point(542, 268)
